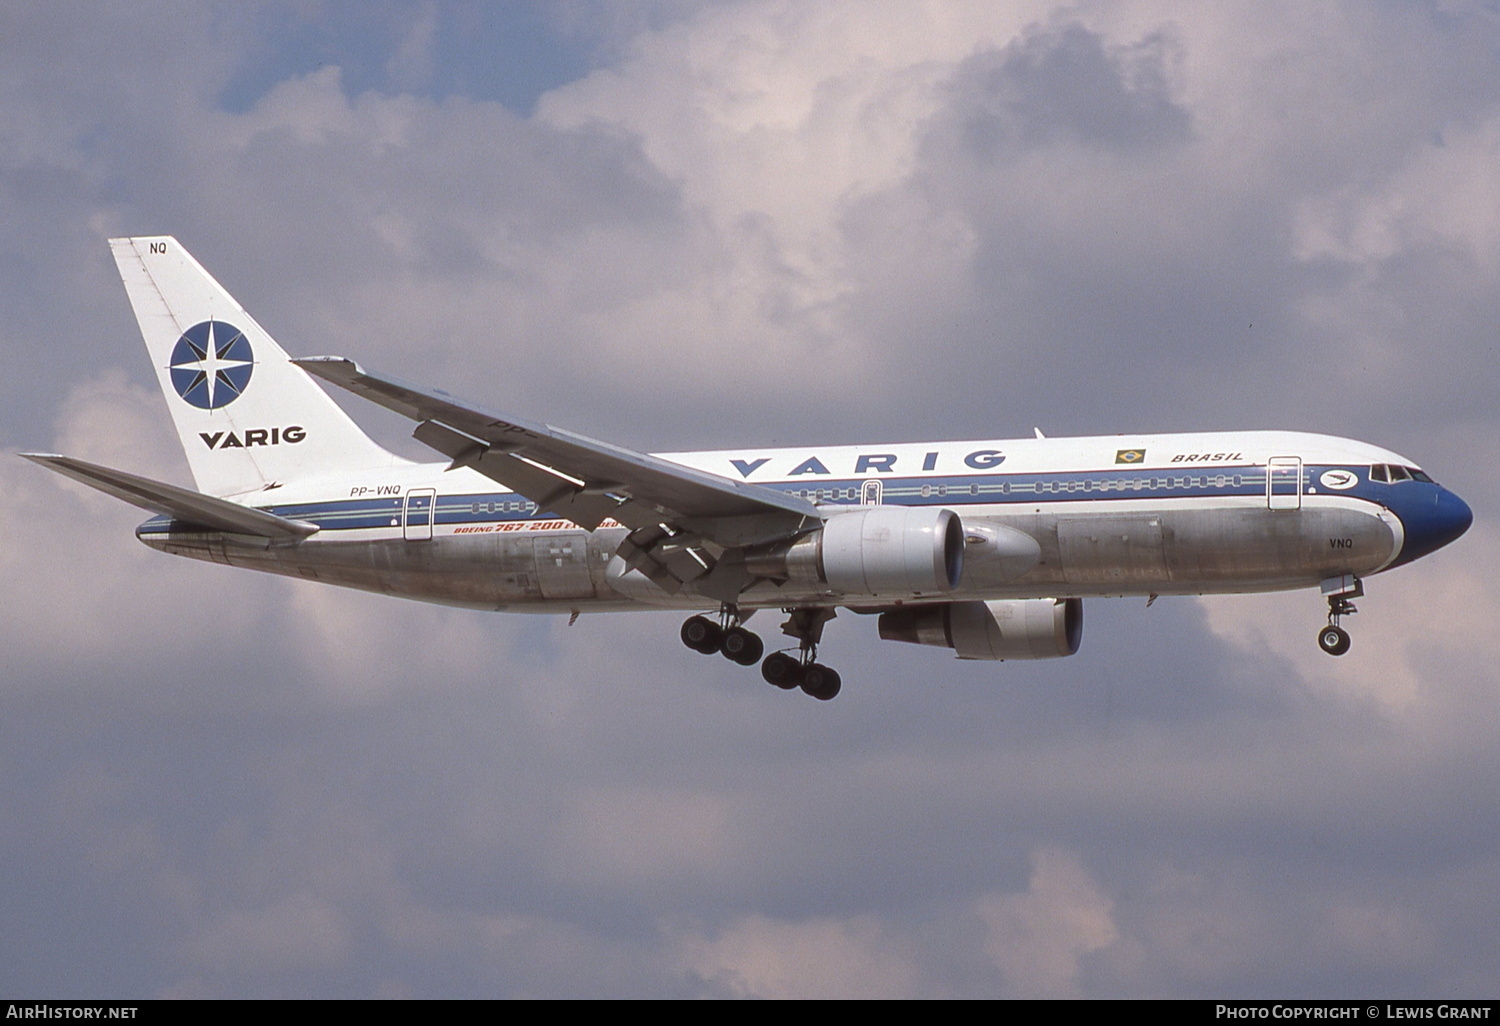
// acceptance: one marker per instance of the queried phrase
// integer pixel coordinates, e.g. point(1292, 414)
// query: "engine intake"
point(888, 550)
point(1011, 629)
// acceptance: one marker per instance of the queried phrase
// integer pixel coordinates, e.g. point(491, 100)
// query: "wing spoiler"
point(179, 503)
point(582, 478)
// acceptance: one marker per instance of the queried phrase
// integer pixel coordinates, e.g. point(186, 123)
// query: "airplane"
point(986, 548)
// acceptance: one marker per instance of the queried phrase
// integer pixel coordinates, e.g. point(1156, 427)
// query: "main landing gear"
point(736, 644)
point(786, 671)
point(1340, 592)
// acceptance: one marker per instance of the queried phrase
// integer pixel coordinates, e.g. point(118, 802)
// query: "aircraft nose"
point(1451, 517)
point(1435, 524)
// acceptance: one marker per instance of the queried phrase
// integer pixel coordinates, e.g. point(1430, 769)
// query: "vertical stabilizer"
point(247, 417)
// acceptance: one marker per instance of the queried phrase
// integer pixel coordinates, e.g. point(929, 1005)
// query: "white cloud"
point(413, 64)
point(92, 592)
point(633, 836)
point(813, 959)
point(1038, 939)
point(301, 931)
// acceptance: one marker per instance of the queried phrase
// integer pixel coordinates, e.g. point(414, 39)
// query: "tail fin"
point(246, 415)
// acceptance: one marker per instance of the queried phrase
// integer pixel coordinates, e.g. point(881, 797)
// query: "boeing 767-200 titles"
point(987, 548)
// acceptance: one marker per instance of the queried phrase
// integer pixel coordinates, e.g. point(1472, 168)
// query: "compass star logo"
point(211, 364)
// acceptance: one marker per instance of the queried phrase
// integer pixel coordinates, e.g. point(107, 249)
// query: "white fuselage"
point(1116, 515)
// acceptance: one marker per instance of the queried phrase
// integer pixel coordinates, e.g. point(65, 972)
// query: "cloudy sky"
point(684, 225)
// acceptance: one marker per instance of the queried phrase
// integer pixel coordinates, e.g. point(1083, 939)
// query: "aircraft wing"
point(179, 503)
point(670, 508)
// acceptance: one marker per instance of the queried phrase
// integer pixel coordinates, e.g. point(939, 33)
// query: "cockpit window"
point(1390, 473)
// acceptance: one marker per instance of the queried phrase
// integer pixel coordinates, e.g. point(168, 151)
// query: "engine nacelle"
point(1012, 629)
point(887, 550)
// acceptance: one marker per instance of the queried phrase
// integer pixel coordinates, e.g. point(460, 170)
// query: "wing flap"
point(566, 496)
point(179, 503)
point(635, 488)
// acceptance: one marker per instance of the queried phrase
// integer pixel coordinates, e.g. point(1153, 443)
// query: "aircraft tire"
point(701, 634)
point(821, 682)
point(782, 670)
point(742, 646)
point(1334, 640)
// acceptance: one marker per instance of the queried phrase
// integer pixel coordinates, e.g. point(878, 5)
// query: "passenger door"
point(1284, 482)
point(421, 505)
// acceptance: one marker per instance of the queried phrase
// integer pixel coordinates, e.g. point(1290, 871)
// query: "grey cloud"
point(1065, 84)
point(1172, 269)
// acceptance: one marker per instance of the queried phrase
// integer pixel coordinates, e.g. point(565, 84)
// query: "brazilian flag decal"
point(1130, 455)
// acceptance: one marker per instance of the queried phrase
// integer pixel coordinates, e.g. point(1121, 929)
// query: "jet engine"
point(1013, 629)
point(888, 550)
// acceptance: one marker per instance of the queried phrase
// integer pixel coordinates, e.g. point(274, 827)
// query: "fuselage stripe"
point(956, 491)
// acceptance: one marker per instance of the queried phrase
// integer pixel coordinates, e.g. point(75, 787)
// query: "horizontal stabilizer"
point(179, 503)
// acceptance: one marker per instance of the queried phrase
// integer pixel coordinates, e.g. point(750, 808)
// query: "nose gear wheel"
point(1333, 639)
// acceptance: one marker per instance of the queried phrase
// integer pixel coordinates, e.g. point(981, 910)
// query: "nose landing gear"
point(1340, 592)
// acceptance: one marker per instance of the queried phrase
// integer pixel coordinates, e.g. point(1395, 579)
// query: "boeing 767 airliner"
point(987, 548)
